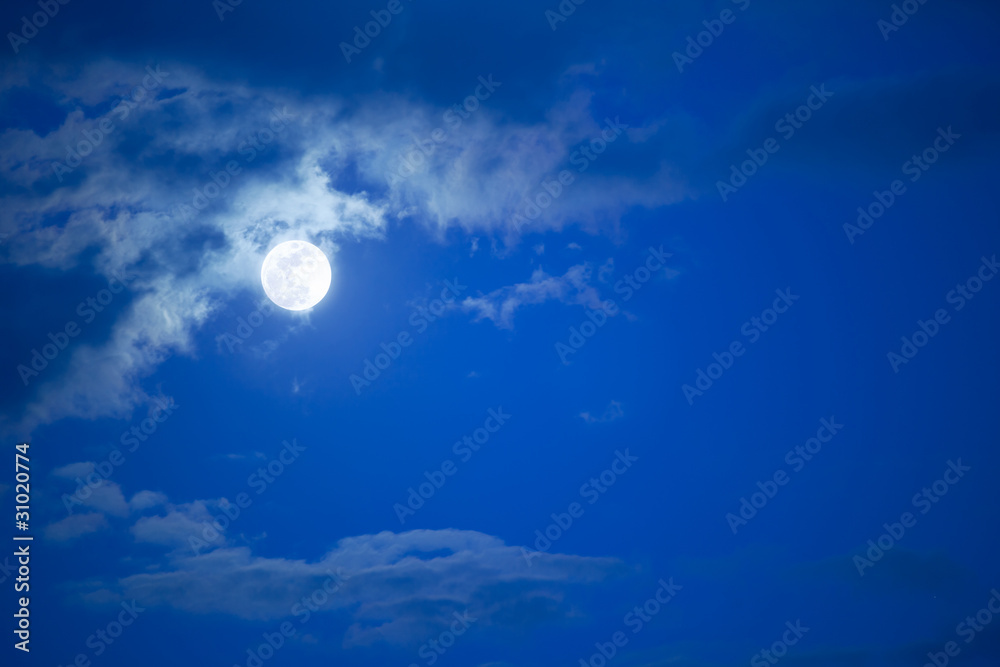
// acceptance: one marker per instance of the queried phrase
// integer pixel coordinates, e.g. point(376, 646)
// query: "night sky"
point(658, 334)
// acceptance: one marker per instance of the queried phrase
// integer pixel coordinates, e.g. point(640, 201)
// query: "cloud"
point(399, 587)
point(75, 526)
point(606, 270)
point(485, 171)
point(74, 470)
point(178, 526)
point(157, 187)
point(499, 306)
point(146, 500)
point(869, 124)
point(104, 495)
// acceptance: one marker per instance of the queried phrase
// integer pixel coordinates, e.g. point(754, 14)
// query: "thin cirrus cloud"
point(127, 199)
point(499, 306)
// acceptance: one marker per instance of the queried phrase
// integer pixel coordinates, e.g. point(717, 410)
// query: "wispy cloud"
point(612, 412)
point(75, 526)
point(499, 306)
point(126, 201)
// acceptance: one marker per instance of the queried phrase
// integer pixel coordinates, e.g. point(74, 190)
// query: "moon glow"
point(296, 275)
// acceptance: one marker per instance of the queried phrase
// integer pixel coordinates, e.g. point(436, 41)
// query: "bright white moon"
point(296, 275)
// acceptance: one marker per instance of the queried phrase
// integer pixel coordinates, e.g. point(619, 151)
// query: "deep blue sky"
point(193, 277)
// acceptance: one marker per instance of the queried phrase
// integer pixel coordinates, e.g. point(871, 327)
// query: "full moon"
point(296, 275)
